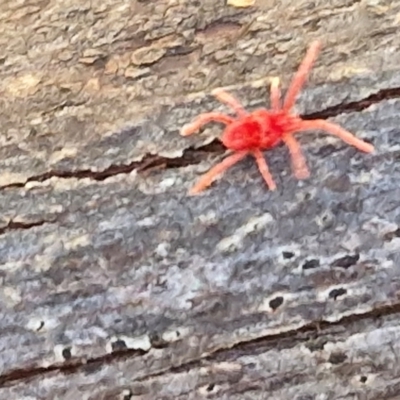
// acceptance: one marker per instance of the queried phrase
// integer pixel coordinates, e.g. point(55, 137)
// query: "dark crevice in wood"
point(193, 156)
point(23, 225)
point(276, 302)
point(355, 106)
point(313, 332)
point(346, 261)
point(310, 331)
point(335, 293)
point(337, 358)
point(149, 162)
point(180, 51)
point(391, 235)
point(311, 264)
point(70, 367)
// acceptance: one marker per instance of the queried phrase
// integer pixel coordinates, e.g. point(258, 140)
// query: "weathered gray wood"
point(354, 359)
point(59, 102)
point(115, 283)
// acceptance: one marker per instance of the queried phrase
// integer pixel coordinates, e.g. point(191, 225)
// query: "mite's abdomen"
point(241, 135)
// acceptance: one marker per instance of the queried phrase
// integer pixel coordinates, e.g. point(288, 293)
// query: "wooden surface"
point(116, 285)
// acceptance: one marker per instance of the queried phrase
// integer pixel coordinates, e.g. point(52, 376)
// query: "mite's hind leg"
point(263, 167)
point(299, 165)
point(336, 130)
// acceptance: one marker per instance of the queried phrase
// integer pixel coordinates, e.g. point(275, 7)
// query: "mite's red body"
point(250, 133)
point(261, 129)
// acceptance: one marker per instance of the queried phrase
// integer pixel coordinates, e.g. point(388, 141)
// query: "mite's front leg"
point(203, 119)
point(218, 169)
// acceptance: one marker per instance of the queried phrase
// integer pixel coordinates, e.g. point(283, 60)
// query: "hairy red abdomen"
point(261, 129)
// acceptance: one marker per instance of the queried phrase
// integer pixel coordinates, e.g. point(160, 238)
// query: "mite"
point(249, 133)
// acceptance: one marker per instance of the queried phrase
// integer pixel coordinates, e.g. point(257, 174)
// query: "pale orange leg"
point(229, 100)
point(301, 75)
point(218, 169)
point(337, 131)
point(263, 167)
point(203, 119)
point(298, 161)
point(275, 97)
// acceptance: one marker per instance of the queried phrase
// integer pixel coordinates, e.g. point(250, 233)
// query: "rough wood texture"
point(115, 284)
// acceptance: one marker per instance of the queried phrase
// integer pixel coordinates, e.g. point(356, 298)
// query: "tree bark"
point(117, 285)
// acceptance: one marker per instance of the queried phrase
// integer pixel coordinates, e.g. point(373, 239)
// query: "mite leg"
point(298, 161)
point(203, 119)
point(301, 75)
point(218, 169)
point(336, 130)
point(229, 100)
point(263, 167)
point(275, 94)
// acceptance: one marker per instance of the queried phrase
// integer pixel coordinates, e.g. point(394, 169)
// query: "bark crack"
point(309, 331)
point(193, 156)
point(13, 225)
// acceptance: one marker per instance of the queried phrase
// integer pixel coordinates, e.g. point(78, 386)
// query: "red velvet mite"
point(262, 129)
